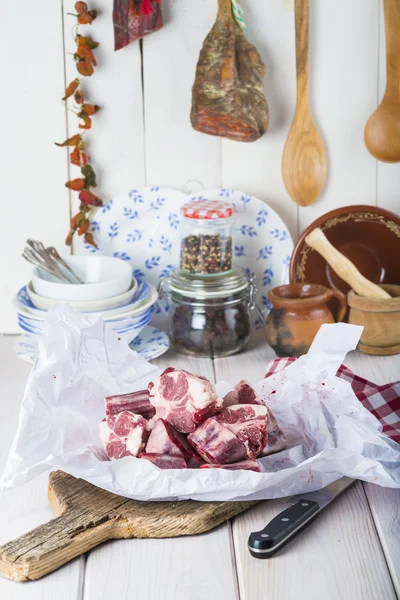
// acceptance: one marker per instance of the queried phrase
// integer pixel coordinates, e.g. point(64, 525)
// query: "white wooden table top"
point(351, 552)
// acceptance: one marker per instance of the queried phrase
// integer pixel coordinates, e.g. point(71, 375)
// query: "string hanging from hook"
point(238, 13)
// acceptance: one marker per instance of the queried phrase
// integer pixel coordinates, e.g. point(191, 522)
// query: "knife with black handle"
point(305, 507)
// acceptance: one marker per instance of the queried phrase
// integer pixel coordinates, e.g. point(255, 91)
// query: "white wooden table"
point(351, 552)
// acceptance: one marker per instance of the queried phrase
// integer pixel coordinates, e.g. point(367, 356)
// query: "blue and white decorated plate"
point(150, 344)
point(142, 227)
point(119, 326)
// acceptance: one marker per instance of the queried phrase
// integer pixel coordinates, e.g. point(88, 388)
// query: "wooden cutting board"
point(87, 516)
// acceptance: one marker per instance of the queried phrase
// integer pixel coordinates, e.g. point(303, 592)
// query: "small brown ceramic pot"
point(298, 312)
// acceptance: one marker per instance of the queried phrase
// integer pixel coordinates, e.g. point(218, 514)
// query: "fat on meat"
point(135, 402)
point(216, 444)
point(165, 440)
point(164, 461)
point(248, 422)
point(183, 399)
point(247, 465)
point(126, 437)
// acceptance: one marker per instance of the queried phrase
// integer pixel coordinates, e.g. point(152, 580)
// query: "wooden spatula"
point(303, 161)
point(343, 266)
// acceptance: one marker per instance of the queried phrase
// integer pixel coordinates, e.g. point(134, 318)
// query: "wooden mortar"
point(380, 319)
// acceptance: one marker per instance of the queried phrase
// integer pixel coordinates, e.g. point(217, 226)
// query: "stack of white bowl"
point(109, 289)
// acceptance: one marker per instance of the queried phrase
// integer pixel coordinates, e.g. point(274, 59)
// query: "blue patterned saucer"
point(150, 343)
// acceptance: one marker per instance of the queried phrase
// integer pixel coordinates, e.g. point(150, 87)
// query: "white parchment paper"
point(81, 360)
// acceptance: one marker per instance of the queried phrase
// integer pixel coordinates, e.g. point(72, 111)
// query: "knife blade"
point(305, 507)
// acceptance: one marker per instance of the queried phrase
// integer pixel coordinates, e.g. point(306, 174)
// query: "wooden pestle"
point(344, 267)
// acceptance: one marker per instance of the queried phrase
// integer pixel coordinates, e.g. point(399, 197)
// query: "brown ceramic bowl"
point(369, 236)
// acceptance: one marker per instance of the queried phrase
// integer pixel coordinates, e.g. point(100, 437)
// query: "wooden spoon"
point(382, 131)
point(343, 266)
point(303, 161)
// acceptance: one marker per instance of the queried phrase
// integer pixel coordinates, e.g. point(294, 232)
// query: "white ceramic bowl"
point(134, 310)
point(103, 276)
point(118, 303)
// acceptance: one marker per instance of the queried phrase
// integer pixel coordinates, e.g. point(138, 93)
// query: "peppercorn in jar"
point(206, 237)
point(209, 316)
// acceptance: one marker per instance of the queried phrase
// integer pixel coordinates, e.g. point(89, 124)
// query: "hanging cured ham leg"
point(228, 98)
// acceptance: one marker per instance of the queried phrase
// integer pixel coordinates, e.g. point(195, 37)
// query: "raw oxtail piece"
point(246, 465)
point(276, 438)
point(136, 402)
point(164, 461)
point(114, 446)
point(248, 422)
point(127, 436)
point(247, 394)
point(242, 393)
point(216, 444)
point(165, 440)
point(183, 399)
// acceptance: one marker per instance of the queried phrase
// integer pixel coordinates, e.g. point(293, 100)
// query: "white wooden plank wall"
point(34, 201)
point(143, 134)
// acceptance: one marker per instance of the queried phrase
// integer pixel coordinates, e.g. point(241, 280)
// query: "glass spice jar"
point(206, 237)
point(209, 317)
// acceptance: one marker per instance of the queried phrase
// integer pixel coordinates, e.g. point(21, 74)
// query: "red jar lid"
point(207, 209)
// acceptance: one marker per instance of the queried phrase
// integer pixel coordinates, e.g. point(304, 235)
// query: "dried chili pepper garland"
point(85, 63)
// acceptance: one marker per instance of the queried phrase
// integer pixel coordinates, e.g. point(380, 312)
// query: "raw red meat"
point(165, 440)
point(127, 436)
point(247, 465)
point(249, 424)
point(114, 446)
point(183, 399)
point(136, 402)
point(236, 433)
point(178, 402)
point(165, 462)
point(247, 394)
point(276, 438)
point(231, 398)
point(242, 393)
point(217, 444)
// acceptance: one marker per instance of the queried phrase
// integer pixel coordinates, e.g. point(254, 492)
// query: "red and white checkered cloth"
point(383, 401)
